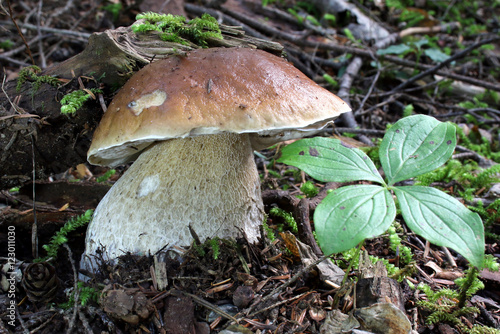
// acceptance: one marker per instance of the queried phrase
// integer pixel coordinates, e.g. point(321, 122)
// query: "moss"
point(215, 247)
point(269, 232)
point(490, 215)
point(106, 176)
point(175, 28)
point(479, 144)
point(286, 216)
point(73, 101)
point(30, 74)
point(446, 305)
point(309, 189)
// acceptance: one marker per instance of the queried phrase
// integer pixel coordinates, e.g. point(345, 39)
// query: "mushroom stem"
point(209, 182)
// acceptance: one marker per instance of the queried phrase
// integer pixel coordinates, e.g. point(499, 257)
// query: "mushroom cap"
point(209, 91)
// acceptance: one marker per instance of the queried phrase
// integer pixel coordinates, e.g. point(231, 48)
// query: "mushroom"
point(191, 123)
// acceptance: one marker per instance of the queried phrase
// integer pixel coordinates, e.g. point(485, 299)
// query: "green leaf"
point(421, 42)
point(394, 49)
point(436, 55)
point(416, 145)
point(351, 214)
point(443, 220)
point(349, 34)
point(328, 160)
point(330, 80)
point(330, 17)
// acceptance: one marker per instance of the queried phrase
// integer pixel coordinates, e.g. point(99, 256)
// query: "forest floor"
point(388, 60)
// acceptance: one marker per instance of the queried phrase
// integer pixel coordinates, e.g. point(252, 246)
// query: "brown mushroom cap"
point(210, 91)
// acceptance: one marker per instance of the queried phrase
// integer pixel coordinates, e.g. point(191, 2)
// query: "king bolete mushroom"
point(191, 123)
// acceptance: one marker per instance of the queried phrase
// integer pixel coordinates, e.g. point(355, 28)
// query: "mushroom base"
point(208, 182)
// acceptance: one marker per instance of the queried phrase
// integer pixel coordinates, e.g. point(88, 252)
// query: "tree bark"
point(36, 137)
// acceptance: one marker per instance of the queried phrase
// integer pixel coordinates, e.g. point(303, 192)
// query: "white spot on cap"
point(153, 99)
point(148, 186)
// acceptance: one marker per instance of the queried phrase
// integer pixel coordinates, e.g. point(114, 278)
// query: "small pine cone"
point(40, 282)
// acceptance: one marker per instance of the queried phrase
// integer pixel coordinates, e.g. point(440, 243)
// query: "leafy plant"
point(73, 101)
point(413, 146)
point(61, 236)
point(351, 258)
point(416, 47)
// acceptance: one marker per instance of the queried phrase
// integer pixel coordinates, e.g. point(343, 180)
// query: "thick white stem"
point(209, 182)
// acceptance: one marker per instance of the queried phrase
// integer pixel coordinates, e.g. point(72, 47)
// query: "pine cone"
point(40, 282)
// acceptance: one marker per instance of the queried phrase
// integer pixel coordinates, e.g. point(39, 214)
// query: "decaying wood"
point(33, 132)
point(374, 286)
